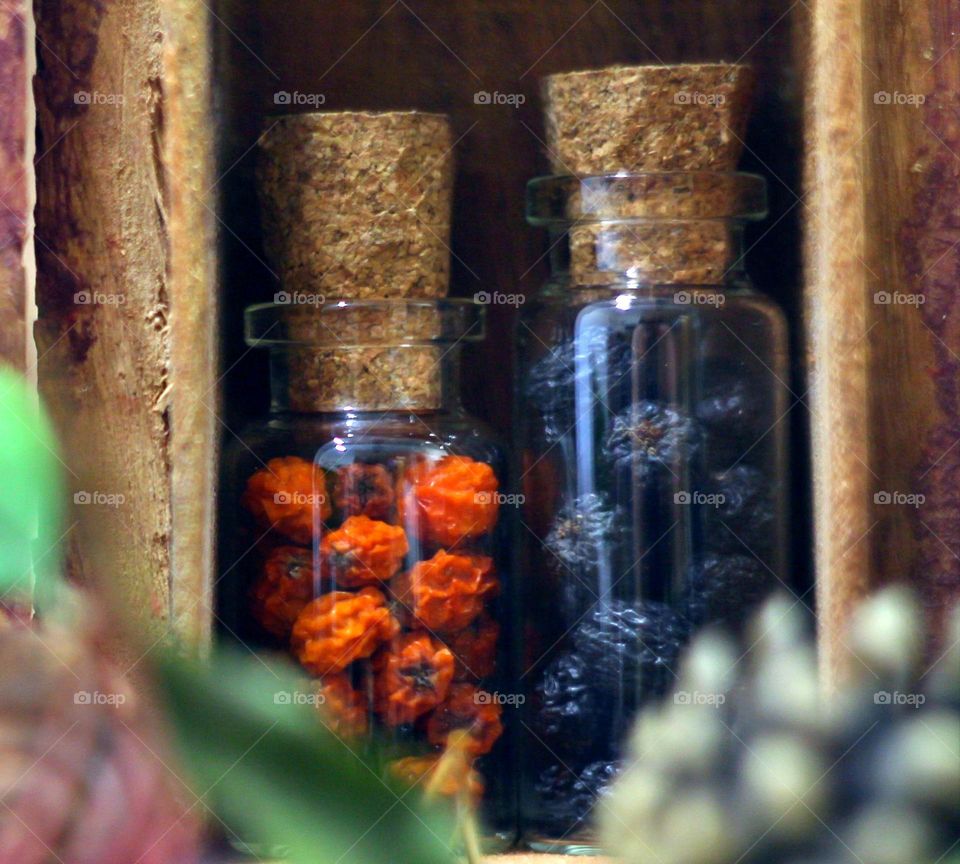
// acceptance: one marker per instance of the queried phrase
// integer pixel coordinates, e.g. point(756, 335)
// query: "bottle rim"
point(296, 319)
point(666, 196)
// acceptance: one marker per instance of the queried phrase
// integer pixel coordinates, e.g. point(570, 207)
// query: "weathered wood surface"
point(883, 271)
point(194, 324)
point(127, 328)
point(103, 291)
point(17, 61)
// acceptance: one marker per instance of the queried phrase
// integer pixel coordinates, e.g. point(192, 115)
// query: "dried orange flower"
point(412, 676)
point(475, 649)
point(283, 589)
point(338, 628)
point(286, 495)
point(362, 551)
point(343, 709)
point(411, 770)
point(363, 490)
point(469, 709)
point(447, 591)
point(451, 501)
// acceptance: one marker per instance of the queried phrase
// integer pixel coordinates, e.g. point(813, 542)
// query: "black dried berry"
point(549, 386)
point(730, 403)
point(568, 797)
point(582, 533)
point(567, 710)
point(743, 518)
point(631, 646)
point(597, 359)
point(649, 434)
point(731, 412)
point(725, 588)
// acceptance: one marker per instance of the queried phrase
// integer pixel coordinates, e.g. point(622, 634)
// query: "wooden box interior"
point(434, 55)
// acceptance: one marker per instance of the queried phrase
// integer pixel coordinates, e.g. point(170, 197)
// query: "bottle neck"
point(401, 379)
point(706, 252)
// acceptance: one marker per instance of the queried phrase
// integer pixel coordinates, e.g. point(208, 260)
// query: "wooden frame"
point(133, 386)
point(883, 264)
point(127, 307)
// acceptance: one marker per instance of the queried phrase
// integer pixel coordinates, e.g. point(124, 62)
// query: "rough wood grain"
point(882, 275)
point(102, 291)
point(17, 61)
point(194, 345)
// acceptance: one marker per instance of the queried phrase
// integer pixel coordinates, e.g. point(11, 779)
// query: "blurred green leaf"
point(278, 778)
point(31, 504)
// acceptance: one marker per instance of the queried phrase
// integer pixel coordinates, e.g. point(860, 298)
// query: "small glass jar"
point(363, 534)
point(654, 464)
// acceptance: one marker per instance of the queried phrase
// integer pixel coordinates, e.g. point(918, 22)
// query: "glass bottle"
point(653, 454)
point(363, 534)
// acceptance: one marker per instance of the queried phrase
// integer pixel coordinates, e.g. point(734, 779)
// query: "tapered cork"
point(357, 204)
point(647, 118)
point(664, 253)
point(373, 358)
point(638, 119)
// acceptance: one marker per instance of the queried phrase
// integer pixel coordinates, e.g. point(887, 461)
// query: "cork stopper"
point(691, 117)
point(644, 119)
point(357, 204)
point(363, 355)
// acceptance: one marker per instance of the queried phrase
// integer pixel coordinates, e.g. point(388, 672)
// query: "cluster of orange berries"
point(335, 590)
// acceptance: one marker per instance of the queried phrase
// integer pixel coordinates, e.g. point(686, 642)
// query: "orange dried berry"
point(342, 708)
point(412, 770)
point(365, 490)
point(283, 589)
point(338, 628)
point(446, 592)
point(475, 649)
point(471, 710)
point(451, 501)
point(286, 495)
point(363, 551)
point(411, 677)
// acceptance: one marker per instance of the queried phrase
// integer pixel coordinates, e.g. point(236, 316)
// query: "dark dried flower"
point(582, 532)
point(651, 433)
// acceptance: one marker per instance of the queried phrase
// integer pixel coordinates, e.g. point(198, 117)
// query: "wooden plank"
point(193, 313)
point(837, 313)
point(913, 232)
point(17, 65)
point(882, 269)
point(102, 292)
